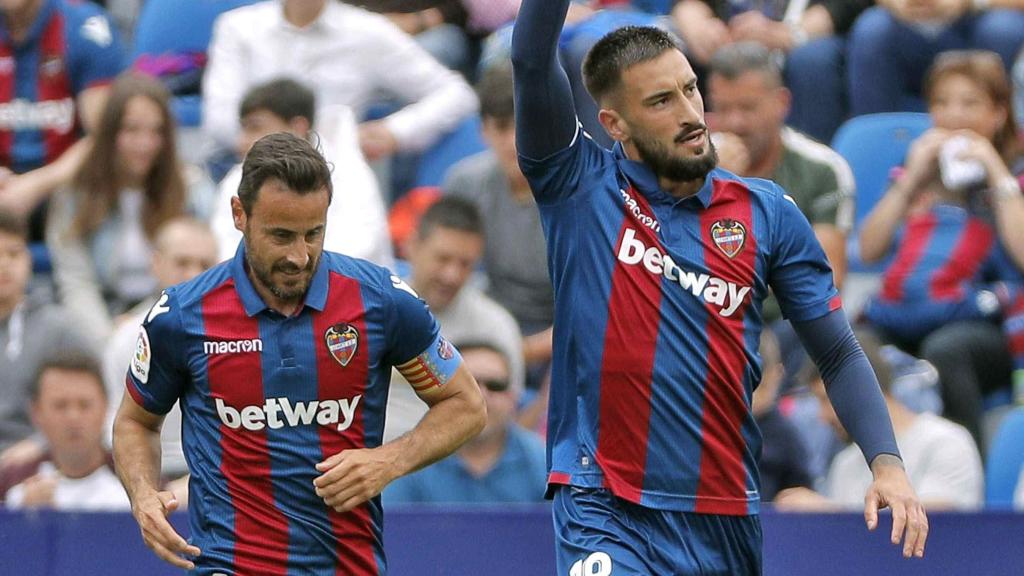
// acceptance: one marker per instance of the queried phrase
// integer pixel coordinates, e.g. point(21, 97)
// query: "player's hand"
point(352, 477)
point(151, 512)
point(891, 488)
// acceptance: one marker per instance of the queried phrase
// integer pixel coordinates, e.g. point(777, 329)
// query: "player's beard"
point(671, 166)
point(265, 275)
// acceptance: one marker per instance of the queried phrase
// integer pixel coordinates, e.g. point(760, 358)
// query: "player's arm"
point(137, 459)
point(545, 114)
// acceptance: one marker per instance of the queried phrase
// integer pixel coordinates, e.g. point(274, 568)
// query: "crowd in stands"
point(109, 193)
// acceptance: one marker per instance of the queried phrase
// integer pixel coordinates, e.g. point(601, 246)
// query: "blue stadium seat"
point(465, 140)
point(873, 144)
point(1005, 459)
point(178, 27)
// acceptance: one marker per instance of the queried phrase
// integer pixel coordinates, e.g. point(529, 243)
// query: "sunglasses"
point(494, 385)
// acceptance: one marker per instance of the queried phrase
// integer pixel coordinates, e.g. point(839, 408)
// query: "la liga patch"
point(141, 358)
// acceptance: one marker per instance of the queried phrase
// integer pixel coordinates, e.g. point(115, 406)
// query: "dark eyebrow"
point(657, 96)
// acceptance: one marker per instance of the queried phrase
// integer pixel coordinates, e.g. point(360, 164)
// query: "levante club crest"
point(729, 236)
point(342, 341)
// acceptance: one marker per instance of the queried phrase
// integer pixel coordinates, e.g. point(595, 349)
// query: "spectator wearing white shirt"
point(352, 57)
point(69, 404)
point(358, 220)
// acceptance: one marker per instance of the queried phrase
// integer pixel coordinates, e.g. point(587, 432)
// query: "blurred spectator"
point(29, 330)
point(58, 57)
point(784, 459)
point(350, 55)
point(892, 45)
point(954, 216)
point(1018, 90)
point(69, 403)
point(750, 102)
point(100, 229)
point(183, 248)
point(940, 457)
point(358, 222)
point(515, 258)
point(443, 252)
point(504, 463)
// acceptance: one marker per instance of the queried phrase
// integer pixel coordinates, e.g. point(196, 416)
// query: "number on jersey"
point(597, 564)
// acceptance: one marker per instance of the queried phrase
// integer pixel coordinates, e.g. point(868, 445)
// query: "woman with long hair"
point(955, 215)
point(101, 228)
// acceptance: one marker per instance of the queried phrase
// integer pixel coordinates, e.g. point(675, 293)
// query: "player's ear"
point(238, 213)
point(614, 124)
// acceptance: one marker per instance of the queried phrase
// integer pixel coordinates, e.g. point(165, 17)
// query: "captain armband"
point(433, 368)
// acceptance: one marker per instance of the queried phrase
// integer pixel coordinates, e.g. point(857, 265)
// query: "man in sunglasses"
point(504, 463)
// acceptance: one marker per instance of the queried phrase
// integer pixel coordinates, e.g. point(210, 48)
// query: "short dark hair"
point(620, 49)
point(734, 60)
point(453, 213)
point(285, 157)
point(70, 360)
point(13, 225)
point(283, 97)
point(494, 89)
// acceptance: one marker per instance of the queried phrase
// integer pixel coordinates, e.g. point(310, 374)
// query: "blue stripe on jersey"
point(28, 147)
point(670, 447)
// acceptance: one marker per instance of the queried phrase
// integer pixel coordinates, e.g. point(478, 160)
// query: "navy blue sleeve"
point(412, 329)
point(799, 273)
point(545, 114)
point(851, 383)
point(156, 376)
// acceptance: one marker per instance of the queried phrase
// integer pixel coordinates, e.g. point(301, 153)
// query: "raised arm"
point(545, 114)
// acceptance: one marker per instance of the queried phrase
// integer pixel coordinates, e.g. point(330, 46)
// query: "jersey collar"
point(316, 296)
point(641, 176)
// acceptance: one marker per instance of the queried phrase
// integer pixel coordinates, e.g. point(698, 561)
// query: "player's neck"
point(283, 307)
point(302, 13)
point(75, 464)
point(20, 21)
point(681, 189)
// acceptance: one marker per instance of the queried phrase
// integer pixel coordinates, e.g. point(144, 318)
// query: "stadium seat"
point(179, 29)
point(873, 144)
point(1005, 459)
point(465, 140)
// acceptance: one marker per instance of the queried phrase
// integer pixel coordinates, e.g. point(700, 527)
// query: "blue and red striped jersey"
point(657, 324)
point(265, 397)
point(943, 271)
point(70, 47)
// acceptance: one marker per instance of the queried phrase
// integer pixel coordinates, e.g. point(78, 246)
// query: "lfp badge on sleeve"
point(342, 341)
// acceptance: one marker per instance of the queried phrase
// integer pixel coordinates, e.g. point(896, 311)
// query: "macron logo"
point(726, 295)
point(280, 412)
point(233, 346)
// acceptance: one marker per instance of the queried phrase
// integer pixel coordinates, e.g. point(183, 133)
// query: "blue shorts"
point(599, 534)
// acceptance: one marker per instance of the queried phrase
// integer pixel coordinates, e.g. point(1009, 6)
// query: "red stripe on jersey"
point(835, 303)
point(353, 531)
point(7, 72)
point(134, 392)
point(558, 478)
point(261, 530)
point(967, 256)
point(53, 84)
point(630, 340)
point(918, 234)
point(721, 488)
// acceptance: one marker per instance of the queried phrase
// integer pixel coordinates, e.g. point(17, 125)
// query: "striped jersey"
point(265, 397)
point(70, 47)
point(657, 324)
point(944, 270)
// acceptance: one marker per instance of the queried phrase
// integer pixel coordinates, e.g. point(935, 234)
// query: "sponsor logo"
point(158, 308)
point(342, 342)
point(725, 295)
point(22, 114)
point(233, 346)
point(633, 208)
point(403, 286)
point(729, 236)
point(279, 412)
point(141, 357)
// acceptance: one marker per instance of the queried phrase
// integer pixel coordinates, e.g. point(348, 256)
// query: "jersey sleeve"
point(412, 328)
point(156, 374)
point(799, 273)
point(560, 175)
point(97, 55)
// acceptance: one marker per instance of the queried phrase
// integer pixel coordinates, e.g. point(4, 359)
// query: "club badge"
point(729, 236)
point(342, 341)
point(445, 349)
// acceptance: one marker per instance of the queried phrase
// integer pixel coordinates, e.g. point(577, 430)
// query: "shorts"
point(599, 534)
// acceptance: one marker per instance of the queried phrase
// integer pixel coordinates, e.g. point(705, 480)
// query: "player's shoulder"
point(759, 189)
point(186, 295)
point(367, 274)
